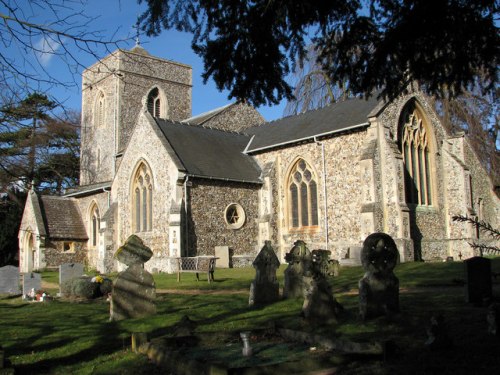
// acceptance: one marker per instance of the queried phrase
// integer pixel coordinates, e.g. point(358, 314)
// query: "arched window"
point(415, 147)
point(154, 102)
point(142, 194)
point(302, 196)
point(100, 109)
point(95, 224)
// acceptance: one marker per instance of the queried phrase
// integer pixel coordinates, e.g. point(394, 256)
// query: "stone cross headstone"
point(299, 263)
point(478, 289)
point(134, 290)
point(9, 280)
point(68, 271)
point(265, 287)
point(320, 306)
point(379, 288)
point(31, 281)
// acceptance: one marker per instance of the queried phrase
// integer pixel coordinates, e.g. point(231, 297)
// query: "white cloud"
point(45, 50)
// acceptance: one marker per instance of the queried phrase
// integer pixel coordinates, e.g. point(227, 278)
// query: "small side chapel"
point(185, 184)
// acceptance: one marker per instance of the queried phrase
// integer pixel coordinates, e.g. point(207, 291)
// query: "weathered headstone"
point(320, 306)
point(134, 290)
point(222, 252)
point(478, 289)
point(31, 281)
point(9, 280)
point(68, 271)
point(379, 288)
point(299, 264)
point(352, 257)
point(265, 287)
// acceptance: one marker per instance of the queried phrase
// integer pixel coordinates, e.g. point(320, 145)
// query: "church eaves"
point(340, 117)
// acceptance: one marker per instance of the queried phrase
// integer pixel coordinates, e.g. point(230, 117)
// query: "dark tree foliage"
point(248, 47)
point(11, 204)
point(37, 148)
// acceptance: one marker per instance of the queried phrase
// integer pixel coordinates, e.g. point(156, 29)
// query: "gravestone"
point(320, 306)
point(9, 280)
point(222, 252)
point(265, 287)
point(68, 271)
point(352, 257)
point(31, 281)
point(379, 287)
point(299, 264)
point(134, 290)
point(478, 280)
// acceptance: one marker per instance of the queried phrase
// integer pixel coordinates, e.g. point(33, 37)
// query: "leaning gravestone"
point(299, 264)
point(265, 287)
point(68, 271)
point(320, 306)
point(9, 280)
point(134, 290)
point(478, 280)
point(379, 288)
point(31, 281)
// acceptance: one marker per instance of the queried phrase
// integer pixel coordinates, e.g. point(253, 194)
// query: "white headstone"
point(31, 280)
point(9, 280)
point(222, 252)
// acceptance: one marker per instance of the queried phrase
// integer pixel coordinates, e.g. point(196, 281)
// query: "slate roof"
point(210, 153)
point(205, 116)
point(62, 218)
point(88, 189)
point(339, 117)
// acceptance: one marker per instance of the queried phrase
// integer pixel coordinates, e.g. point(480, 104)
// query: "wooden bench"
point(196, 265)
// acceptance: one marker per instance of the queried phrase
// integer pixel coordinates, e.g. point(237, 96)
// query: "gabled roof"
point(84, 190)
point(210, 153)
point(205, 116)
point(336, 118)
point(62, 218)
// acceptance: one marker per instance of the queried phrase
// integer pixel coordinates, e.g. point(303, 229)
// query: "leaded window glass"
point(303, 196)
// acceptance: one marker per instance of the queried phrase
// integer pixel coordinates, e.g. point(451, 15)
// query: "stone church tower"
point(114, 91)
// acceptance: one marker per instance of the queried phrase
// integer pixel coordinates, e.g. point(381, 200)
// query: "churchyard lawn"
point(62, 337)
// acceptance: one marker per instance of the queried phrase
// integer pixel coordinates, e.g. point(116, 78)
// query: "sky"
point(115, 19)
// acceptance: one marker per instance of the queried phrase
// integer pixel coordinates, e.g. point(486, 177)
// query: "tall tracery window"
point(414, 144)
point(302, 196)
point(100, 109)
point(142, 194)
point(95, 223)
point(154, 102)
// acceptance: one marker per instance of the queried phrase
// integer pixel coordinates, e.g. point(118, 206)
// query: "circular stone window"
point(234, 216)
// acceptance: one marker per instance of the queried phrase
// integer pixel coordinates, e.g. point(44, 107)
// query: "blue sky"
point(116, 18)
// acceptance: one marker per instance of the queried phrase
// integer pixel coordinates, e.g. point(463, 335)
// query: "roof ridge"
point(182, 123)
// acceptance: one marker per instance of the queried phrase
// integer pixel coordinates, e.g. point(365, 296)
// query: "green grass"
point(77, 338)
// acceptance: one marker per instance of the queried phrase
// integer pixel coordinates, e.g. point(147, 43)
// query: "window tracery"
point(302, 196)
point(142, 194)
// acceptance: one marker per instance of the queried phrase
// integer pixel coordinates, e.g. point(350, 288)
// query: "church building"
point(186, 185)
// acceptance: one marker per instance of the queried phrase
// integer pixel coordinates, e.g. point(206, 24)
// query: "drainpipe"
point(186, 222)
point(325, 198)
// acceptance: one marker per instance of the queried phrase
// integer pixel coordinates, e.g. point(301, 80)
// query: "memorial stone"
point(9, 280)
point(222, 253)
point(134, 290)
point(265, 287)
point(68, 271)
point(379, 288)
point(478, 288)
point(299, 265)
point(31, 281)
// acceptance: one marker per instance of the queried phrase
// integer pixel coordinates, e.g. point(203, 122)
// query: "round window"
point(234, 216)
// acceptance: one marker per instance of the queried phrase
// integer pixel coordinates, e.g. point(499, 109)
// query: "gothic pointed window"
point(142, 195)
point(154, 102)
point(302, 196)
point(100, 109)
point(95, 223)
point(415, 147)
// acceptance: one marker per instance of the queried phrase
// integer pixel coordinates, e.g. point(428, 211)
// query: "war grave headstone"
point(9, 280)
point(379, 287)
point(265, 287)
point(222, 253)
point(478, 288)
point(32, 282)
point(68, 271)
point(352, 257)
point(299, 261)
point(134, 290)
point(320, 306)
